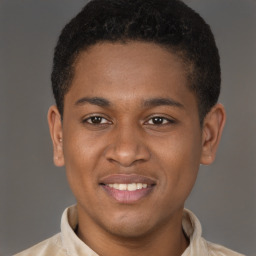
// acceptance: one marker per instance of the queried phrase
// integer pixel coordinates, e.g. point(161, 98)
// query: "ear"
point(55, 127)
point(212, 130)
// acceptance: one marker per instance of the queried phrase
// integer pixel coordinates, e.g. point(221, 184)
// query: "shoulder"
point(216, 250)
point(51, 246)
point(198, 245)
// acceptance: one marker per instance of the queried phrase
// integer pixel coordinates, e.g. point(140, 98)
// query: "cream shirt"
point(66, 243)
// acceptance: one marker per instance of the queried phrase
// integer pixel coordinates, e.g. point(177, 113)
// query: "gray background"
point(33, 193)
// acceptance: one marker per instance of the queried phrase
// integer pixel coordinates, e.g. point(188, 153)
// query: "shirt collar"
point(193, 230)
point(75, 247)
point(70, 241)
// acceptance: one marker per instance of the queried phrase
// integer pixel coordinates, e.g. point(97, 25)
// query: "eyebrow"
point(155, 102)
point(101, 102)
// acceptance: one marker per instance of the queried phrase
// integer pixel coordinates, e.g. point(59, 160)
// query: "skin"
point(129, 139)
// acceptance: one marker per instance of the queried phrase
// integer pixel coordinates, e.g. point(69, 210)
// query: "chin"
point(130, 227)
point(129, 231)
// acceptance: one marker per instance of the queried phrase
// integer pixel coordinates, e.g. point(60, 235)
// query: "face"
point(131, 139)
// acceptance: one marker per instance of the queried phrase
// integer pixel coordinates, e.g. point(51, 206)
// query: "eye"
point(96, 120)
point(159, 120)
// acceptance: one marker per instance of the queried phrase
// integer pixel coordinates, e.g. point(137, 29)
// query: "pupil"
point(96, 119)
point(157, 120)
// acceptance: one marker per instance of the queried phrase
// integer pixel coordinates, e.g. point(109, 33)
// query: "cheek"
point(81, 154)
point(180, 158)
point(82, 149)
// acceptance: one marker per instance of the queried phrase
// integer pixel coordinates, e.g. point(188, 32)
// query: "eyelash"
point(163, 120)
point(96, 117)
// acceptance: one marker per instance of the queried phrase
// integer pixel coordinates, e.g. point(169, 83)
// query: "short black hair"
point(168, 23)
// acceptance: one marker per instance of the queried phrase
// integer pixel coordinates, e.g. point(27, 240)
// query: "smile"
point(128, 187)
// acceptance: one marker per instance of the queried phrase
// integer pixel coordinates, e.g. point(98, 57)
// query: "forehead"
point(132, 71)
point(123, 60)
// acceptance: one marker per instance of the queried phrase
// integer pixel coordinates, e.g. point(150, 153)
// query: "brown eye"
point(158, 120)
point(96, 120)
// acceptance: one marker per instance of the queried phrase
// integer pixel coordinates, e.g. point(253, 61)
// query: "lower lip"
point(125, 196)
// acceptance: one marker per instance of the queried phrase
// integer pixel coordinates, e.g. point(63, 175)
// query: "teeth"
point(139, 185)
point(129, 187)
point(132, 187)
point(122, 186)
point(116, 186)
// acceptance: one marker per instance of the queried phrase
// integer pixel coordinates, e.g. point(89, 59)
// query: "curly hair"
point(168, 23)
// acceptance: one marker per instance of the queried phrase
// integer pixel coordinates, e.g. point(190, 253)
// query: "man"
point(136, 85)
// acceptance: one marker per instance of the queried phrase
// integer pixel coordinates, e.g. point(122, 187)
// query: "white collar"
point(75, 247)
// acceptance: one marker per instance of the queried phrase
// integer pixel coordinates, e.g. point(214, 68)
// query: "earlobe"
point(212, 130)
point(55, 127)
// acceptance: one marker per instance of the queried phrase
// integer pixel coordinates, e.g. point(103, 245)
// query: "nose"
point(127, 147)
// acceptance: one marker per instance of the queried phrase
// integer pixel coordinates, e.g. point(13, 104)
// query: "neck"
point(164, 241)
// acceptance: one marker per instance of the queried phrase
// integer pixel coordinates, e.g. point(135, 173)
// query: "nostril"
point(126, 153)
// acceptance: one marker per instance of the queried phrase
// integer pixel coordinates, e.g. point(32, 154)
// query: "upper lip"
point(127, 179)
